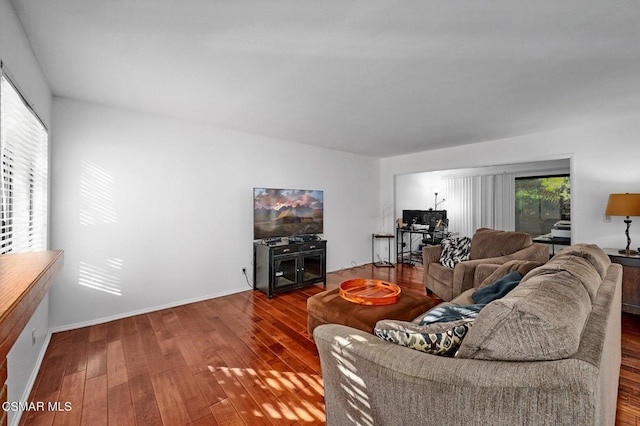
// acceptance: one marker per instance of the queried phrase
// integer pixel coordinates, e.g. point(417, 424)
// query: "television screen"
point(286, 212)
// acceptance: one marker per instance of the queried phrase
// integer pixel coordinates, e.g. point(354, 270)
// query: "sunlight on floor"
point(282, 389)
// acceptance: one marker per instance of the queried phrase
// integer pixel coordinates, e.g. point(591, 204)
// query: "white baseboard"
point(144, 310)
point(32, 378)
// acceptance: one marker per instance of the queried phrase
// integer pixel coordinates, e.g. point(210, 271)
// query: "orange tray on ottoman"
point(365, 291)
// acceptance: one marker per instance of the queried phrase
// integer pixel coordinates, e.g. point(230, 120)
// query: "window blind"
point(23, 173)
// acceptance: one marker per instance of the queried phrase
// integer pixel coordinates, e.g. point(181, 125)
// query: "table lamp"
point(624, 205)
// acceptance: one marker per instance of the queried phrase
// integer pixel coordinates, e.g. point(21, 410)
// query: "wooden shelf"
point(25, 278)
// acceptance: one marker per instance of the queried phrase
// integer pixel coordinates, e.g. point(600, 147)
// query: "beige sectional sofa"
point(547, 353)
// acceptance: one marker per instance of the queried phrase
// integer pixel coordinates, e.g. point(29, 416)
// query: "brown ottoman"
point(329, 308)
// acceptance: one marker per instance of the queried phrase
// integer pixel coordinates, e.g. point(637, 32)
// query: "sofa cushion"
point(455, 250)
point(498, 289)
point(463, 298)
point(487, 243)
point(440, 338)
point(522, 266)
point(589, 252)
point(541, 319)
point(577, 267)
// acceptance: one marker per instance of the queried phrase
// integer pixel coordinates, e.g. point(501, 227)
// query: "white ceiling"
point(374, 77)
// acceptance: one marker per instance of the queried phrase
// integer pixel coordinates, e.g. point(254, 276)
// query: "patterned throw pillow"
point(442, 338)
point(455, 250)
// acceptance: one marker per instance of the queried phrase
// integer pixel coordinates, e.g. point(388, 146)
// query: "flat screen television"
point(287, 212)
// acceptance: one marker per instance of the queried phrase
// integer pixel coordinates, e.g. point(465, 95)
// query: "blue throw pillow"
point(498, 289)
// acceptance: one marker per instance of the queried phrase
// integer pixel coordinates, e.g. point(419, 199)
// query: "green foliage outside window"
point(542, 201)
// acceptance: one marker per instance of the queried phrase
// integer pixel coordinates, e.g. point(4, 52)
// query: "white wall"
point(416, 191)
point(18, 58)
point(152, 212)
point(604, 159)
point(19, 61)
point(25, 357)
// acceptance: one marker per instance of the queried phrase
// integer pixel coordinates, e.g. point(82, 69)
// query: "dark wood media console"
point(281, 267)
point(630, 279)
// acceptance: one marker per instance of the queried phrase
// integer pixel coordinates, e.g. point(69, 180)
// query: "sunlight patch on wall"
point(96, 195)
point(104, 276)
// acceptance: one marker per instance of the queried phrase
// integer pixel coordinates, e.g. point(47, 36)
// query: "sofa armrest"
point(535, 252)
point(430, 255)
point(370, 381)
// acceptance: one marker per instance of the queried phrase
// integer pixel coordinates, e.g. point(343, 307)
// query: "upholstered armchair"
point(487, 246)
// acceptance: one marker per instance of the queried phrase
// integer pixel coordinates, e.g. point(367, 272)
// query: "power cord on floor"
point(352, 268)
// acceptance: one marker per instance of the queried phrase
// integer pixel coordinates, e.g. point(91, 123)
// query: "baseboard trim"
point(32, 378)
point(115, 317)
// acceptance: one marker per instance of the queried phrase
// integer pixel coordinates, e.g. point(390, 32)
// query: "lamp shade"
point(623, 205)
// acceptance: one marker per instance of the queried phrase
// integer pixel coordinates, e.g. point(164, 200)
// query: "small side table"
point(552, 241)
point(383, 263)
point(630, 279)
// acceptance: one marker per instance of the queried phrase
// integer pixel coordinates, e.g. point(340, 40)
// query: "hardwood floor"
point(235, 360)
point(629, 389)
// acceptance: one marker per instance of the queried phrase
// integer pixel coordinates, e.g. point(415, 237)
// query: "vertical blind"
point(464, 210)
point(481, 201)
point(23, 174)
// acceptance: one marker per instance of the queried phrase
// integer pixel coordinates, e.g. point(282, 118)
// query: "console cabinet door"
point(313, 265)
point(285, 271)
